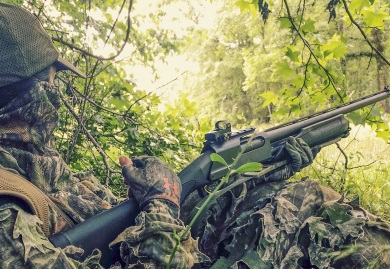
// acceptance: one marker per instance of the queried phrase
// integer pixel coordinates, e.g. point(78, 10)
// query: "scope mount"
point(222, 132)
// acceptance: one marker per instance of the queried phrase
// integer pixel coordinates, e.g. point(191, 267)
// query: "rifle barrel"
point(278, 132)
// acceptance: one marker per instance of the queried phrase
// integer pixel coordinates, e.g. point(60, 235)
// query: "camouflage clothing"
point(297, 225)
point(26, 127)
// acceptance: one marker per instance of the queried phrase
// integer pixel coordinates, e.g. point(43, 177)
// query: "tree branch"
point(307, 45)
point(90, 137)
point(100, 106)
point(363, 34)
point(100, 58)
point(345, 156)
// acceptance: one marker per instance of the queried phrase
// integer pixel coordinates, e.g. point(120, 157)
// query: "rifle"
point(320, 129)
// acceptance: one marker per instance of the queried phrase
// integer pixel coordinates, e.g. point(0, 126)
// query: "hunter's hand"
point(302, 155)
point(150, 179)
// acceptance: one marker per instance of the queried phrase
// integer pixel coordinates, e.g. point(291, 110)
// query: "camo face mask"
point(27, 124)
point(32, 116)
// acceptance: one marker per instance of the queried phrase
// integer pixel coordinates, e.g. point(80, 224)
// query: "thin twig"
point(363, 34)
point(135, 102)
point(115, 22)
point(90, 137)
point(307, 45)
point(345, 156)
point(169, 82)
point(361, 166)
point(304, 79)
point(99, 106)
point(100, 58)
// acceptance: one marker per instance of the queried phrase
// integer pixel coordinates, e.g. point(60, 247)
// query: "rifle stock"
point(321, 129)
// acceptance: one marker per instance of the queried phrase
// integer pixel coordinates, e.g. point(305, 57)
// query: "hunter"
point(264, 223)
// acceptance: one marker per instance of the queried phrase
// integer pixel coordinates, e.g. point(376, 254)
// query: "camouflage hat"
point(25, 46)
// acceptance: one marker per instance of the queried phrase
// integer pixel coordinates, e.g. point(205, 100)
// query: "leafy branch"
point(305, 79)
point(363, 34)
point(308, 46)
point(91, 138)
point(124, 115)
point(100, 58)
point(248, 167)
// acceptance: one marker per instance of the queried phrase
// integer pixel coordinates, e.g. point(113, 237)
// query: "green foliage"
point(217, 158)
point(360, 171)
point(296, 63)
point(130, 122)
point(108, 115)
point(248, 167)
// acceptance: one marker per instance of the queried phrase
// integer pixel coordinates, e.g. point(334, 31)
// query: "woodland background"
point(254, 63)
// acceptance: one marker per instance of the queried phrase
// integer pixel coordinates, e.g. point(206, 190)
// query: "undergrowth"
point(358, 167)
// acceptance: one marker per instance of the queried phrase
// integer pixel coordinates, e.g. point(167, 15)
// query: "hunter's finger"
point(132, 174)
point(307, 154)
point(124, 160)
point(291, 147)
point(315, 150)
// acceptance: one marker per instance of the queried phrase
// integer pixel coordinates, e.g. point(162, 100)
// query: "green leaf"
point(298, 81)
point(356, 117)
point(285, 70)
point(359, 4)
point(247, 5)
point(285, 23)
point(308, 26)
point(248, 167)
point(118, 103)
point(217, 158)
point(319, 97)
point(374, 19)
point(269, 97)
point(335, 48)
point(293, 55)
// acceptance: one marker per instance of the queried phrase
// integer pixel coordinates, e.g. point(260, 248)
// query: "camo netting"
point(296, 225)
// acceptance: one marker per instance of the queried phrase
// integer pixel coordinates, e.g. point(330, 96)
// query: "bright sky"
point(175, 65)
point(174, 20)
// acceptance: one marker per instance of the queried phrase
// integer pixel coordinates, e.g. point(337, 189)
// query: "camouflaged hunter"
point(255, 225)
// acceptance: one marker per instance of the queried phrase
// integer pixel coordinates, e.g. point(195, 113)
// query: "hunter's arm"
point(149, 243)
point(23, 244)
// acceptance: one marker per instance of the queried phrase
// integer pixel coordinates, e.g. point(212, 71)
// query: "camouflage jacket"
point(290, 225)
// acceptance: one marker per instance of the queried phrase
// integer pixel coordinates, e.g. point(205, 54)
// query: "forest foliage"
point(259, 63)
